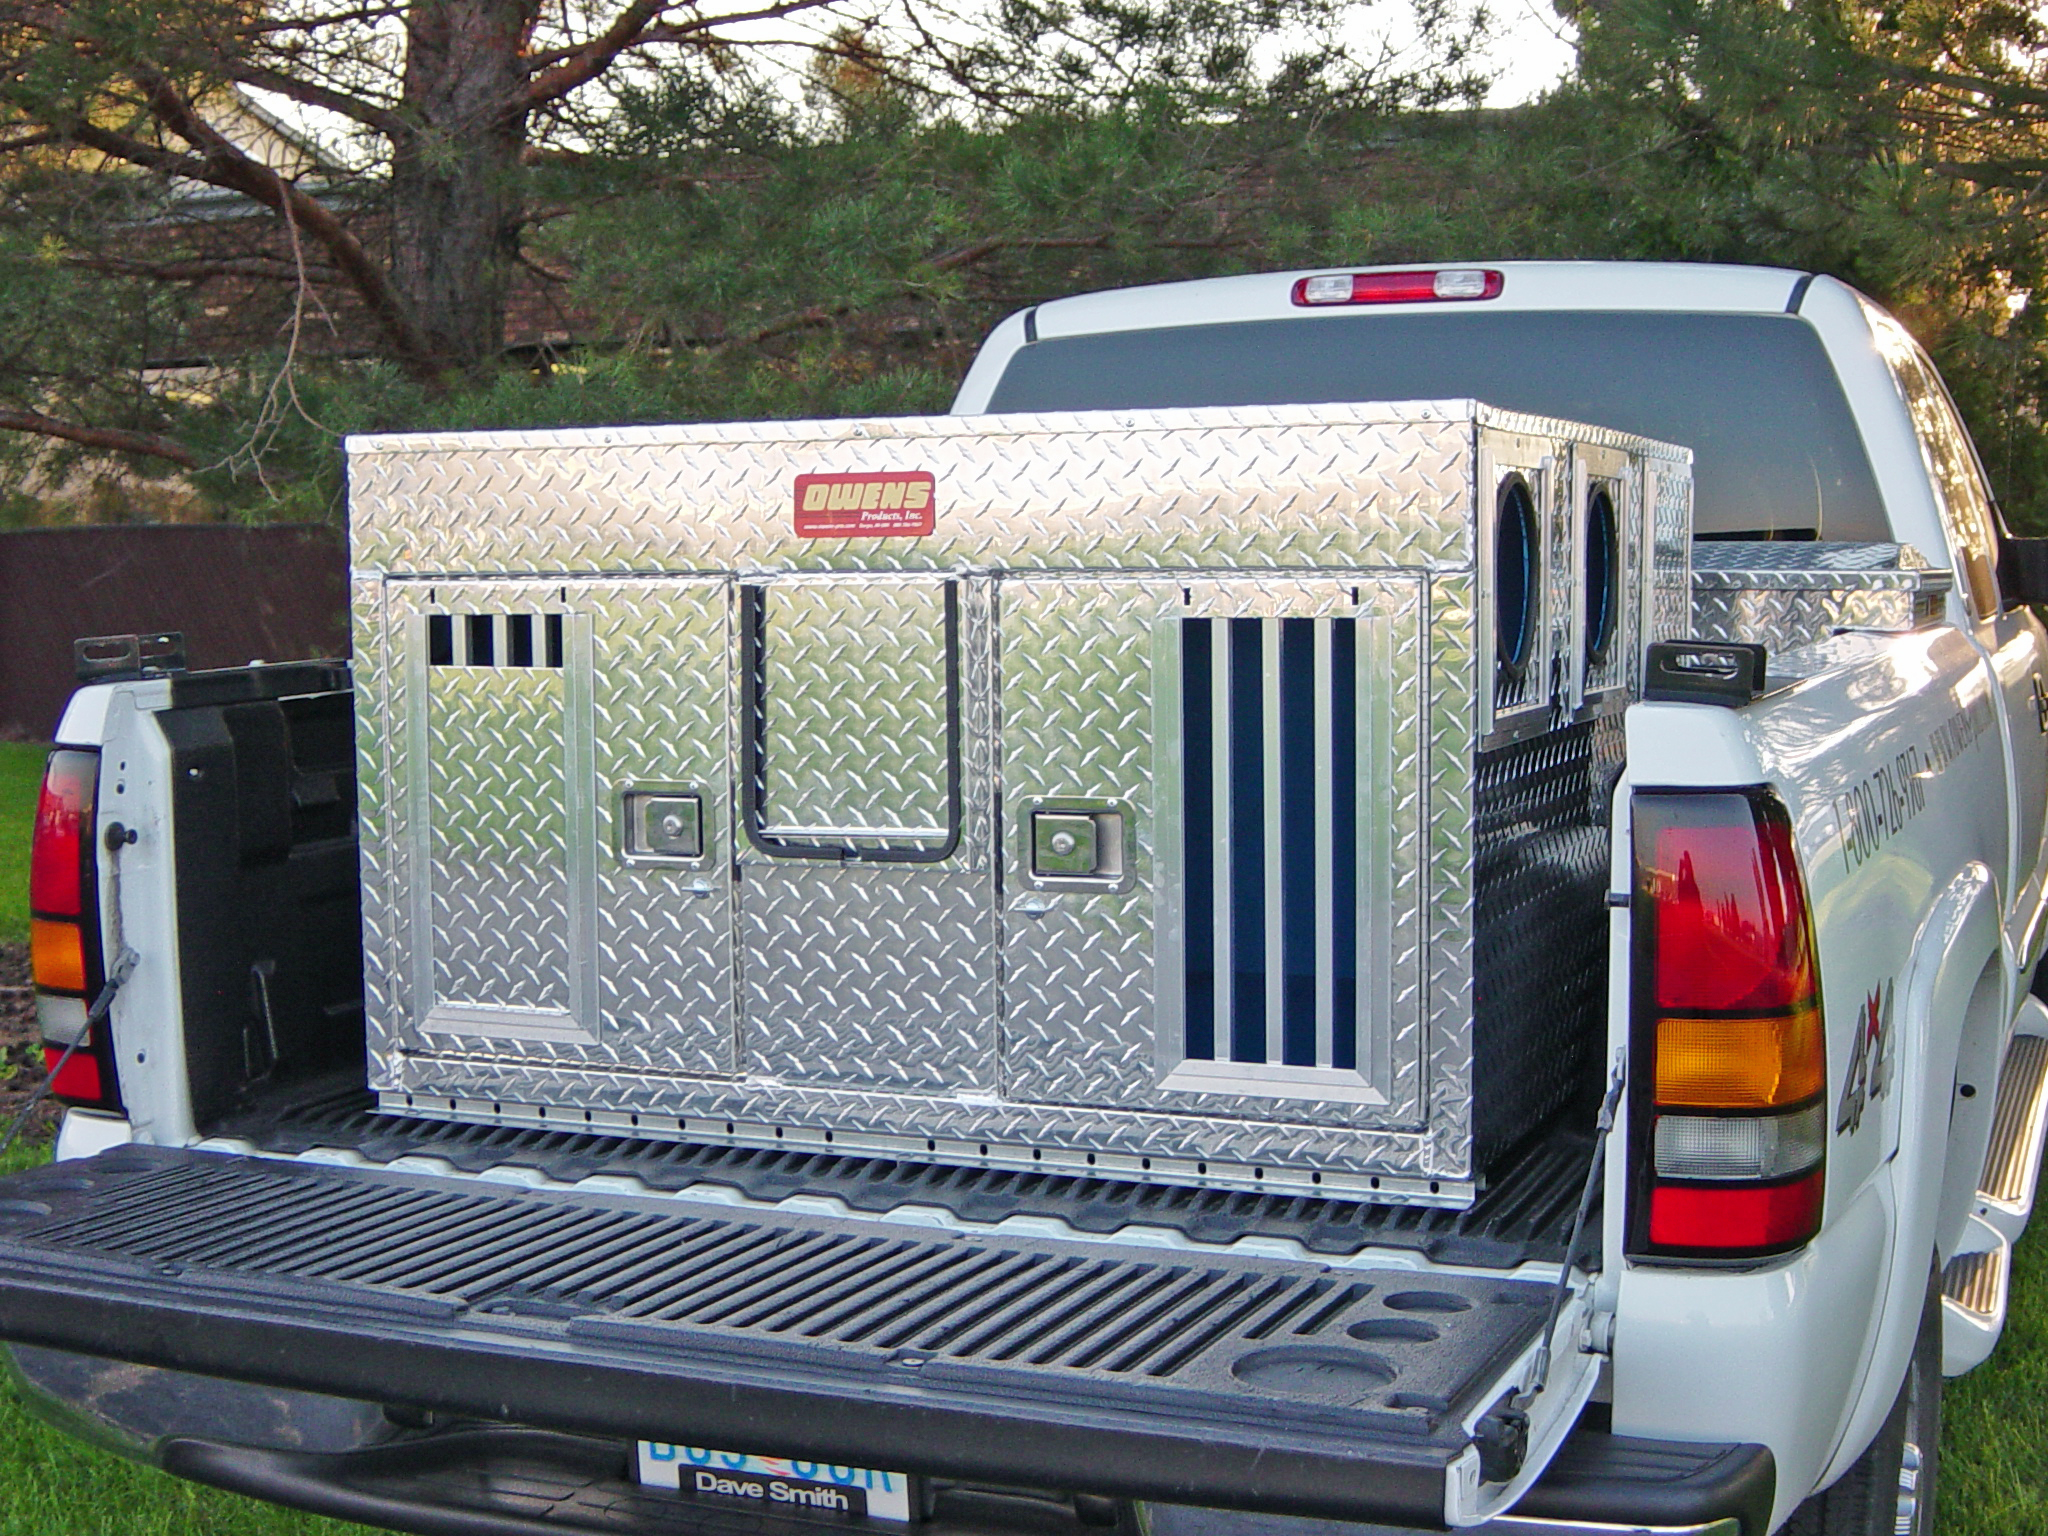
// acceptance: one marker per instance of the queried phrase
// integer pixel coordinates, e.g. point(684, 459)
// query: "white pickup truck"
point(1223, 935)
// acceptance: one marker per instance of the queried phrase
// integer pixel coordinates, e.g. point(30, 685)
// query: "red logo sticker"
point(893, 505)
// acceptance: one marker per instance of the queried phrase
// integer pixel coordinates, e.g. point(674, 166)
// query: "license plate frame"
point(781, 1484)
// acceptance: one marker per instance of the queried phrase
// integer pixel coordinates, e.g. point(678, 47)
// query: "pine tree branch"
point(559, 71)
point(566, 70)
point(111, 439)
point(218, 162)
point(392, 125)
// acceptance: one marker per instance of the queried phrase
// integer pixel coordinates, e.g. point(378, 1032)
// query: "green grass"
point(1994, 1473)
point(21, 771)
point(54, 1485)
point(1994, 1444)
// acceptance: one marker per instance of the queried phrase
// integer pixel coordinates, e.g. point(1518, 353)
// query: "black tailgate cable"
point(1503, 1434)
point(118, 837)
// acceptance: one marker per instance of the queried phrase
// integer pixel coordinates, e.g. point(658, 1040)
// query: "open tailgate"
point(1124, 1369)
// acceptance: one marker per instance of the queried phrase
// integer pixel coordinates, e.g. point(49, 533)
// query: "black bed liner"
point(1524, 1216)
point(1121, 1370)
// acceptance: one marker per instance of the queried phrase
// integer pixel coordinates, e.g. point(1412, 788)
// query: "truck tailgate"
point(1122, 1369)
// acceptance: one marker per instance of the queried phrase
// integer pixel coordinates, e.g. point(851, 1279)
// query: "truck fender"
point(1953, 1007)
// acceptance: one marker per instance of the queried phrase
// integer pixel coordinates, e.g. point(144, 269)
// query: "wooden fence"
point(238, 594)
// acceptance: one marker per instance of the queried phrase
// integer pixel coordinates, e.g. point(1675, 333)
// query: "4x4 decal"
point(1870, 1061)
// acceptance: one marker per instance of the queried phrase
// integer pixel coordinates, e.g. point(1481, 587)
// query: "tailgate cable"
point(1502, 1435)
point(118, 837)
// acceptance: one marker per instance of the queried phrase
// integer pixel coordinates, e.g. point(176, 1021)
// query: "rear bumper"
point(351, 1461)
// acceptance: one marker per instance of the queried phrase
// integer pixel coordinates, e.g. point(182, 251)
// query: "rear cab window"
point(1777, 450)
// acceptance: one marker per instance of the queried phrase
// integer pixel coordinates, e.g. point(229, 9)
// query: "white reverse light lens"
point(1467, 284)
point(1739, 1146)
point(1327, 290)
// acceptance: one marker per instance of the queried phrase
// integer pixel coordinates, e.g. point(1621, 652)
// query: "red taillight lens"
point(1731, 919)
point(1746, 1217)
point(77, 1081)
point(1445, 284)
point(64, 929)
point(1729, 1126)
point(63, 832)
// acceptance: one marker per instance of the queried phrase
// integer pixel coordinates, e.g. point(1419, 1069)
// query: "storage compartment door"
point(866, 897)
point(1237, 762)
point(565, 786)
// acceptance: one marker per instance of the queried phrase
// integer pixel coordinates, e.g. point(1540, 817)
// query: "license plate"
point(776, 1483)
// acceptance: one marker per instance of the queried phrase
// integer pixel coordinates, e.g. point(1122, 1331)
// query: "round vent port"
point(1514, 578)
point(1602, 577)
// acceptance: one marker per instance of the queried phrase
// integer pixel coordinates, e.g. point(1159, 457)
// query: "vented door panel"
point(530, 711)
point(1256, 947)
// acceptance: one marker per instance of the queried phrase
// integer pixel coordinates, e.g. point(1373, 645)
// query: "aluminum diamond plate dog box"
point(1217, 795)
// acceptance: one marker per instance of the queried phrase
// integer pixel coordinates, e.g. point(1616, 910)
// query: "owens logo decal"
point(893, 505)
point(1870, 1061)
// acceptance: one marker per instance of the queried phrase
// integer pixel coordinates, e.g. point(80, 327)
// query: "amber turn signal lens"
point(1758, 1063)
point(57, 955)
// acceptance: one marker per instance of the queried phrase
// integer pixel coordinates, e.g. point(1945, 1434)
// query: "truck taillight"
point(64, 947)
point(1729, 1115)
point(1427, 287)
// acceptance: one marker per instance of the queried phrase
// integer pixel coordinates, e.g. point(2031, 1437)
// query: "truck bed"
point(1523, 1216)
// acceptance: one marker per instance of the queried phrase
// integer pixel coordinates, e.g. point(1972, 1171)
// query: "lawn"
point(1994, 1451)
point(21, 771)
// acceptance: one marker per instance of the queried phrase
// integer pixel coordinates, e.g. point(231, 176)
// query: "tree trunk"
point(456, 198)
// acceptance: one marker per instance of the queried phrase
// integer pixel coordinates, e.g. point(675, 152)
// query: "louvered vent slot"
point(494, 640)
point(1269, 753)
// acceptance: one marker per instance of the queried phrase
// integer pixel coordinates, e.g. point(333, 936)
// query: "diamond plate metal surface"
point(498, 850)
point(385, 1000)
point(1670, 599)
point(1786, 557)
point(1254, 487)
point(1782, 620)
point(1785, 595)
point(873, 975)
point(854, 689)
point(912, 1009)
point(1444, 785)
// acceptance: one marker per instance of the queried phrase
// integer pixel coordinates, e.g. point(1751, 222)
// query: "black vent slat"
point(1330, 1311)
point(828, 1295)
point(1171, 1360)
point(1291, 1302)
point(1223, 1297)
point(521, 1264)
point(822, 1282)
point(261, 1234)
point(1269, 784)
point(624, 1282)
point(1177, 1287)
point(1019, 1336)
point(882, 1284)
point(466, 1223)
point(690, 1300)
point(1123, 1290)
point(968, 1281)
point(1001, 1313)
